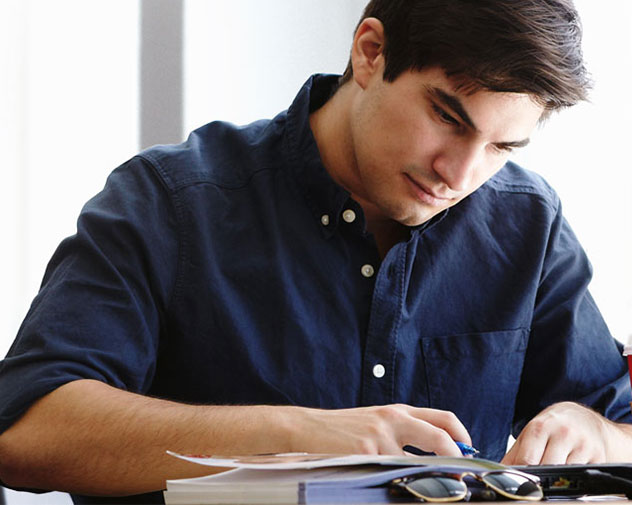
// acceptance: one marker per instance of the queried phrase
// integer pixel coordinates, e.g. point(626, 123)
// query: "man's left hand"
point(568, 433)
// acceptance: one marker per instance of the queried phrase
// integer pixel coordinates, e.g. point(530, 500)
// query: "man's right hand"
point(376, 430)
point(89, 438)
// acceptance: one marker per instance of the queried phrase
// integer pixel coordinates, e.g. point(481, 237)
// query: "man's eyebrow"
point(455, 104)
point(512, 145)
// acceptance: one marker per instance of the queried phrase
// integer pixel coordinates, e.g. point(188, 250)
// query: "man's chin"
point(417, 219)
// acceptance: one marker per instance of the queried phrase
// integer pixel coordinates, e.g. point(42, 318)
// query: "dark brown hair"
point(523, 46)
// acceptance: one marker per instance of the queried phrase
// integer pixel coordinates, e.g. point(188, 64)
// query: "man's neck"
point(330, 126)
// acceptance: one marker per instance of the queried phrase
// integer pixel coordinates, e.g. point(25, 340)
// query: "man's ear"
point(366, 51)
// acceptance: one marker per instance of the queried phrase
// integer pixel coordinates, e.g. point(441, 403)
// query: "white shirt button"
point(349, 216)
point(324, 219)
point(379, 371)
point(367, 271)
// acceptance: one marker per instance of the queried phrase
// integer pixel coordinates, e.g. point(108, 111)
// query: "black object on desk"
point(580, 480)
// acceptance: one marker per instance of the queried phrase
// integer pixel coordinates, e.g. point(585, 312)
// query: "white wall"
point(68, 103)
point(586, 154)
point(247, 59)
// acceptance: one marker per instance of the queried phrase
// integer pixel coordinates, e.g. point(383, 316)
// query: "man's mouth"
point(427, 195)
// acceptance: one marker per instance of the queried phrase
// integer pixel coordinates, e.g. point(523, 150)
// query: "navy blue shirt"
point(222, 271)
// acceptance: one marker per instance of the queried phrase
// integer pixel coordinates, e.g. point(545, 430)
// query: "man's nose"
point(457, 164)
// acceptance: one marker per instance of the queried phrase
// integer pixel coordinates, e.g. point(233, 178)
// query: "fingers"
point(535, 446)
point(376, 430)
point(445, 420)
point(563, 433)
point(433, 439)
point(436, 431)
point(427, 429)
point(561, 443)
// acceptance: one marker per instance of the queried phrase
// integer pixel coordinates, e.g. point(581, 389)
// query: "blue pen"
point(466, 450)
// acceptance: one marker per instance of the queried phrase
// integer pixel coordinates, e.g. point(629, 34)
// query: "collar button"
point(349, 216)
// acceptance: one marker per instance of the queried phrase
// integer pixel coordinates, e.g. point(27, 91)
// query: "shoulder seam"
point(547, 195)
point(181, 229)
point(193, 180)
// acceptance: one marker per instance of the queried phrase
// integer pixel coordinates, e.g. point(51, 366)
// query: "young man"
point(365, 272)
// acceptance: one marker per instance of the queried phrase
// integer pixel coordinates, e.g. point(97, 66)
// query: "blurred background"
point(85, 84)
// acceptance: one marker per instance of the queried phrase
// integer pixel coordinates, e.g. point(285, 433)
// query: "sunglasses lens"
point(437, 488)
point(514, 485)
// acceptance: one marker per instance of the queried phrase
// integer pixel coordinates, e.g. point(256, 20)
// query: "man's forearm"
point(89, 438)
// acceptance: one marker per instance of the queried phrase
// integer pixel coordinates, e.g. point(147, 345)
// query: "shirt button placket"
point(381, 348)
point(349, 216)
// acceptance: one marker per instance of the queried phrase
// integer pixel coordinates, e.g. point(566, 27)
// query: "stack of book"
point(308, 479)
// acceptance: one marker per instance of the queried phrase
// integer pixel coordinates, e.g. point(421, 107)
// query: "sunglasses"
point(442, 487)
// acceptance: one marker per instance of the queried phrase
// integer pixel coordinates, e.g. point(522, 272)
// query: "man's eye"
point(444, 116)
point(503, 149)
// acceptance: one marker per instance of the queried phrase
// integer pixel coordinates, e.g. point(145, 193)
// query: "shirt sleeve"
point(571, 354)
point(103, 301)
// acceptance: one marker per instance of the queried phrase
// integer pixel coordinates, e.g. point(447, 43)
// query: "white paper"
point(296, 461)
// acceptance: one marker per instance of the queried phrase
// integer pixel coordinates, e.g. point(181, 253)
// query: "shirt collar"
point(323, 195)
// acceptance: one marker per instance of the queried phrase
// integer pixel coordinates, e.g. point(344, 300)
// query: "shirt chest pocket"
point(477, 377)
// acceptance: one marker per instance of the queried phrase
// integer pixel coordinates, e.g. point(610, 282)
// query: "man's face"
point(420, 146)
